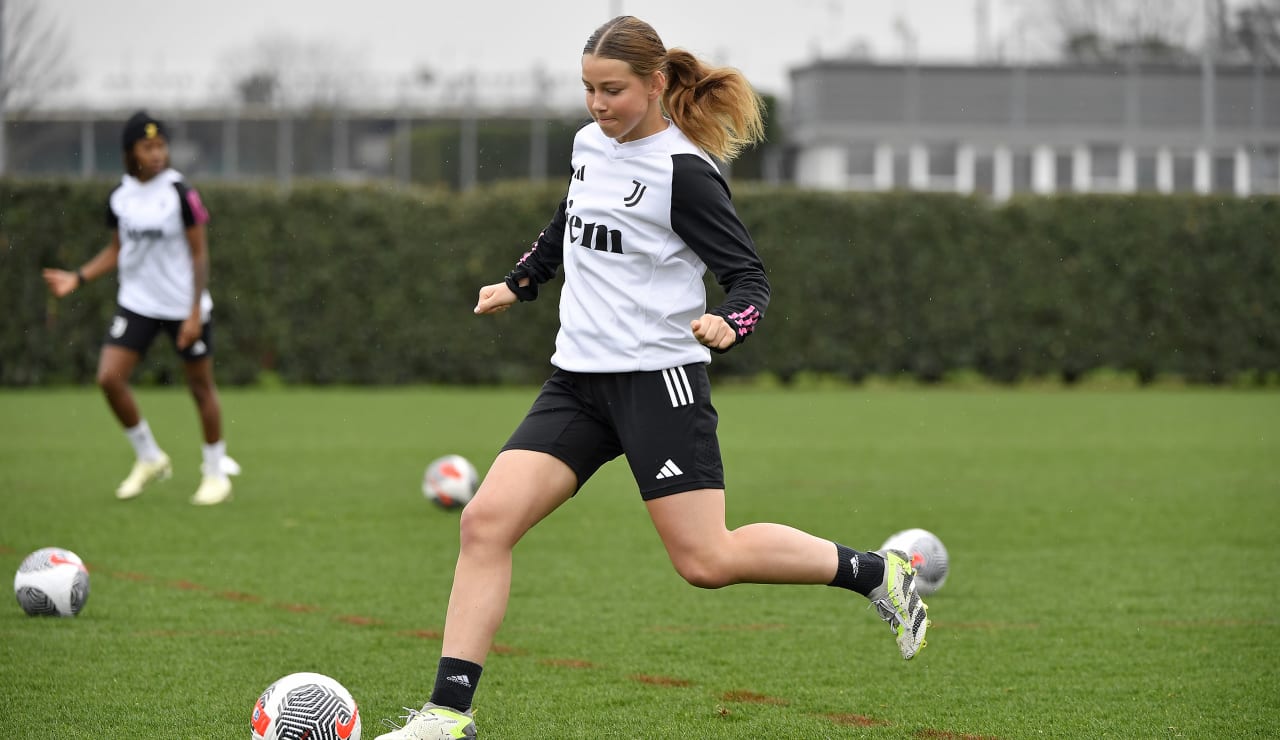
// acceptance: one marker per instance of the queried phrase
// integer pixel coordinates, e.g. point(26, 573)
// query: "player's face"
point(152, 156)
point(625, 105)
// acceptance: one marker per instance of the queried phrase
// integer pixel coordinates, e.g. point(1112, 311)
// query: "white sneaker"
point(214, 489)
point(432, 722)
point(230, 466)
point(142, 474)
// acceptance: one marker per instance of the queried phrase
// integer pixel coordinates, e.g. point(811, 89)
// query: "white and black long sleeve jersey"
point(155, 270)
point(640, 225)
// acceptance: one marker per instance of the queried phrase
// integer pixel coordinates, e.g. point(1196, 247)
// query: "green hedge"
point(337, 284)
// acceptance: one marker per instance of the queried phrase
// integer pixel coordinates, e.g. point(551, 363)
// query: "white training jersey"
point(155, 269)
point(640, 225)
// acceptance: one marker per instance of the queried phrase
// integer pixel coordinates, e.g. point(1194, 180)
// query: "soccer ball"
point(450, 481)
point(928, 557)
point(308, 706)
point(52, 582)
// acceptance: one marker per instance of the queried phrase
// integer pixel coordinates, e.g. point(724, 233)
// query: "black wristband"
point(524, 293)
point(79, 277)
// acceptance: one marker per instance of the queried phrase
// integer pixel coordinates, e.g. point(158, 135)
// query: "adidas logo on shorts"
point(669, 470)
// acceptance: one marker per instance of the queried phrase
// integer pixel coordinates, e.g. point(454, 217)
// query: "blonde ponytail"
point(714, 106)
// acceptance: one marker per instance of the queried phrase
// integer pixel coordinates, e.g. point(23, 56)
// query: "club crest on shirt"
point(637, 193)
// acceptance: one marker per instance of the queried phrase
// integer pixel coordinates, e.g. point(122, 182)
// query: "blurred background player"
point(158, 244)
point(646, 214)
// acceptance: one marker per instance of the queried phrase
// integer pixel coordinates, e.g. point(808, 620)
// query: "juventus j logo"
point(636, 194)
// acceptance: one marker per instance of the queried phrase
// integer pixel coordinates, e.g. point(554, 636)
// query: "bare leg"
point(708, 555)
point(205, 392)
point(520, 489)
point(115, 366)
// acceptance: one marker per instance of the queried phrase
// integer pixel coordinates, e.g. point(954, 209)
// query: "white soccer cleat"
point(898, 603)
point(432, 722)
point(214, 489)
point(142, 474)
point(230, 466)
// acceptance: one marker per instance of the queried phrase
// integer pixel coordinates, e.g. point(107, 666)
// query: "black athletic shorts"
point(136, 332)
point(663, 421)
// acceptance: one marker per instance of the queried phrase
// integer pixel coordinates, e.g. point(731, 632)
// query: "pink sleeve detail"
point(746, 320)
point(198, 210)
point(532, 249)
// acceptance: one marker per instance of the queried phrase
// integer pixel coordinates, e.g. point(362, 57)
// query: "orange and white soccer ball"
point(305, 705)
point(450, 481)
point(52, 582)
point(928, 556)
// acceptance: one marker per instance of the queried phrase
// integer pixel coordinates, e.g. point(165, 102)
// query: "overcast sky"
point(123, 48)
point(127, 52)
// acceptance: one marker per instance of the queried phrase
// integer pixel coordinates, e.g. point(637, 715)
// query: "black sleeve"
point(193, 210)
point(542, 260)
point(113, 221)
point(703, 216)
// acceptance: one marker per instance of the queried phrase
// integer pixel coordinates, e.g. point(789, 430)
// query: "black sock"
point(862, 572)
point(456, 683)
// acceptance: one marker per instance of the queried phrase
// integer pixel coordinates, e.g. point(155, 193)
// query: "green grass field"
point(1115, 569)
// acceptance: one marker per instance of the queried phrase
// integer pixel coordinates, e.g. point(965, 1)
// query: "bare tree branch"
point(35, 55)
point(289, 73)
point(1103, 31)
point(1255, 35)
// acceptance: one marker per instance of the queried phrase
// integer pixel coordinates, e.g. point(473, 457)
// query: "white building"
point(1042, 129)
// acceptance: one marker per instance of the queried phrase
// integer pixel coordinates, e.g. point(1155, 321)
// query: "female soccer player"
point(646, 214)
point(158, 243)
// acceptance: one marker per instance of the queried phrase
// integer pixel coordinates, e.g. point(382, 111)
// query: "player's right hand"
point(60, 282)
point(494, 298)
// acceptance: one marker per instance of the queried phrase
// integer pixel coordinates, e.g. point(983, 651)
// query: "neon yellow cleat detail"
point(432, 722)
point(898, 603)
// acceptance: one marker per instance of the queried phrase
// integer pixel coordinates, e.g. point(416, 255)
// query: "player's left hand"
point(713, 331)
point(189, 332)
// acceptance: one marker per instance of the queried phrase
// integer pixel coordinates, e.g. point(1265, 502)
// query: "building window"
point(1224, 172)
point(1146, 171)
point(935, 166)
point(1104, 166)
point(1264, 169)
point(1022, 165)
point(1064, 171)
point(901, 169)
point(942, 160)
point(1184, 172)
point(984, 173)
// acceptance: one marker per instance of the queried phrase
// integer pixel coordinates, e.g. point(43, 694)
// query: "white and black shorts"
point(136, 332)
point(663, 421)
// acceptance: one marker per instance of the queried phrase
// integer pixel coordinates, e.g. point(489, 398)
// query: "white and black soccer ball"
point(928, 556)
point(450, 481)
point(306, 706)
point(52, 582)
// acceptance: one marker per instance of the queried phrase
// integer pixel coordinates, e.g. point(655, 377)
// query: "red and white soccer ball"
point(52, 582)
point(310, 706)
point(927, 554)
point(450, 481)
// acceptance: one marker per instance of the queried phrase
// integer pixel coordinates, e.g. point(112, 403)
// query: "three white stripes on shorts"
point(678, 386)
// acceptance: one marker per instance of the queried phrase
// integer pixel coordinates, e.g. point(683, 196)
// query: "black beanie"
point(142, 126)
